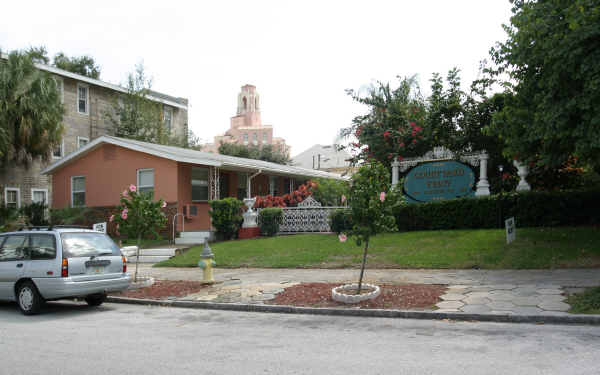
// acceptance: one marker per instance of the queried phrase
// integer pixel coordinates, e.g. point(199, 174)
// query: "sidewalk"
point(519, 292)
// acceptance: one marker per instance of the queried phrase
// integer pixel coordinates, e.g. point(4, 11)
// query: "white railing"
point(309, 216)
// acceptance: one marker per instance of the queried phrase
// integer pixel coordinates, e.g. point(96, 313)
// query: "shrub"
point(269, 219)
point(328, 191)
point(8, 216)
point(340, 221)
point(530, 209)
point(35, 213)
point(68, 216)
point(226, 215)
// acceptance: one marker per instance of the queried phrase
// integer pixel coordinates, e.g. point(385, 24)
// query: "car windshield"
point(87, 244)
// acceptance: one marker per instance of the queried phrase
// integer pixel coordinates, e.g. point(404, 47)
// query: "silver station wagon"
point(44, 264)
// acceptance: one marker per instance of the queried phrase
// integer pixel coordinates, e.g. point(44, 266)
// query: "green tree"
point(552, 60)
point(84, 65)
point(140, 216)
point(264, 152)
point(329, 192)
point(371, 203)
point(31, 112)
point(135, 116)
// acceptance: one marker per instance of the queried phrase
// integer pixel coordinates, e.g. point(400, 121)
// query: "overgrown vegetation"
point(269, 220)
point(587, 302)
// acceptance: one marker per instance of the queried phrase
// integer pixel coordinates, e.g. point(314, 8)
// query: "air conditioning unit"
point(190, 211)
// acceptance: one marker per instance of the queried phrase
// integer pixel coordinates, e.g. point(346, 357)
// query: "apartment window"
point(167, 118)
point(145, 181)
point(82, 141)
point(199, 184)
point(254, 139)
point(265, 138)
point(59, 150)
point(274, 186)
point(245, 138)
point(12, 197)
point(82, 99)
point(78, 191)
point(39, 196)
point(60, 86)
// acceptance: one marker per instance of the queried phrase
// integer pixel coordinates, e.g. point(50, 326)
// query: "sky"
point(301, 55)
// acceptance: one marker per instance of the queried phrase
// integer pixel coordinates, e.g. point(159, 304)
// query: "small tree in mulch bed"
point(371, 202)
point(140, 216)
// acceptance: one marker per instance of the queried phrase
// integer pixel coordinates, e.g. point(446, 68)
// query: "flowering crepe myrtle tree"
point(371, 202)
point(139, 216)
point(393, 128)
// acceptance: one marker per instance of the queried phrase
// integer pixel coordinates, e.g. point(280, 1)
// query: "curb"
point(375, 313)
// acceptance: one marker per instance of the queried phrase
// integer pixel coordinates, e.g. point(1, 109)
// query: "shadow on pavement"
point(51, 311)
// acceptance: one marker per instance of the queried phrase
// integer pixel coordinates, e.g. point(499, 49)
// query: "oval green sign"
point(439, 180)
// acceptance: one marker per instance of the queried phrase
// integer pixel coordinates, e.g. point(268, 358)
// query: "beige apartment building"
point(87, 102)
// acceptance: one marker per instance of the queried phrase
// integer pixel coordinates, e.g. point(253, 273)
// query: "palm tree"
point(31, 111)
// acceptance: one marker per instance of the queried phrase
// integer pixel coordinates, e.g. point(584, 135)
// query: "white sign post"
point(100, 227)
point(511, 230)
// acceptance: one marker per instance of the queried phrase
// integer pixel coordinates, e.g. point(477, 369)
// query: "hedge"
point(269, 220)
point(530, 209)
point(226, 217)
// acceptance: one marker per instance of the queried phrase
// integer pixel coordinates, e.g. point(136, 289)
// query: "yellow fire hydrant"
point(207, 263)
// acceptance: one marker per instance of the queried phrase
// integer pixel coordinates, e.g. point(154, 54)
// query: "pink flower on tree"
point(124, 214)
point(343, 198)
point(382, 196)
point(132, 188)
point(125, 193)
point(342, 237)
point(112, 217)
point(164, 204)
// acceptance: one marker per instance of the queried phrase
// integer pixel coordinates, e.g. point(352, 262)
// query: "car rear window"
point(87, 244)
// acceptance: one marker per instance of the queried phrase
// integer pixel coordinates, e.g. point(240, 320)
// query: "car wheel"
point(28, 298)
point(95, 299)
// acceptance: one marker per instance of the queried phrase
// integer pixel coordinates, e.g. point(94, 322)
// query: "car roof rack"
point(51, 227)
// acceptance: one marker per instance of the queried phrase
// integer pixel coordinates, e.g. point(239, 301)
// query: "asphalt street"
point(72, 338)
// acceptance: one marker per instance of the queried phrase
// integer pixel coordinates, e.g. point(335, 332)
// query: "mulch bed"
point(410, 296)
point(163, 289)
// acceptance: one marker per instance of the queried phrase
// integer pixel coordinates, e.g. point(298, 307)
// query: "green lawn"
point(485, 248)
point(587, 302)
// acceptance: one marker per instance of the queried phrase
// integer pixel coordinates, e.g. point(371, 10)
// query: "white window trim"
point(7, 189)
point(82, 138)
point(78, 191)
point(62, 150)
point(87, 99)
point(45, 191)
point(139, 185)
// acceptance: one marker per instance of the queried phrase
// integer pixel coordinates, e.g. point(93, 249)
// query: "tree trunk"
point(362, 268)
point(137, 258)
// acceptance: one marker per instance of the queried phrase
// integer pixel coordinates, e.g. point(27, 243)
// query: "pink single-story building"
point(96, 174)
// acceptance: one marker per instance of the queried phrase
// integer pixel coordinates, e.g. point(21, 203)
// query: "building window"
point(39, 196)
point(78, 191)
point(245, 138)
point(167, 118)
point(274, 186)
point(265, 138)
point(199, 184)
point(254, 139)
point(12, 197)
point(60, 86)
point(59, 150)
point(82, 141)
point(82, 99)
point(145, 181)
point(242, 184)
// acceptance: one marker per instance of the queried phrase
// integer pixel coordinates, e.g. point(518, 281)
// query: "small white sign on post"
point(100, 227)
point(511, 229)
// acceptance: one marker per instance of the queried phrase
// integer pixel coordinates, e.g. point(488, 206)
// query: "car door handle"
point(20, 265)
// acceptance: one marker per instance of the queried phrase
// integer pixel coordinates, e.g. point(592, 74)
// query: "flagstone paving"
point(525, 292)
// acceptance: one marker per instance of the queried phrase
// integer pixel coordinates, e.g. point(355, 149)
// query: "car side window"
point(42, 246)
point(13, 248)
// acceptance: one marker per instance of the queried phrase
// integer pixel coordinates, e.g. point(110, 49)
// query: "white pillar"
point(483, 186)
point(522, 171)
point(395, 166)
point(248, 186)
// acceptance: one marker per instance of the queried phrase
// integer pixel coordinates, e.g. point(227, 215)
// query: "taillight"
point(64, 272)
point(124, 263)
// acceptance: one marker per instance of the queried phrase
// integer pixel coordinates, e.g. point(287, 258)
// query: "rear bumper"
point(54, 288)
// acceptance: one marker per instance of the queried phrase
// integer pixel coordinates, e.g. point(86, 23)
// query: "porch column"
point(483, 186)
point(213, 181)
point(248, 186)
point(395, 166)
